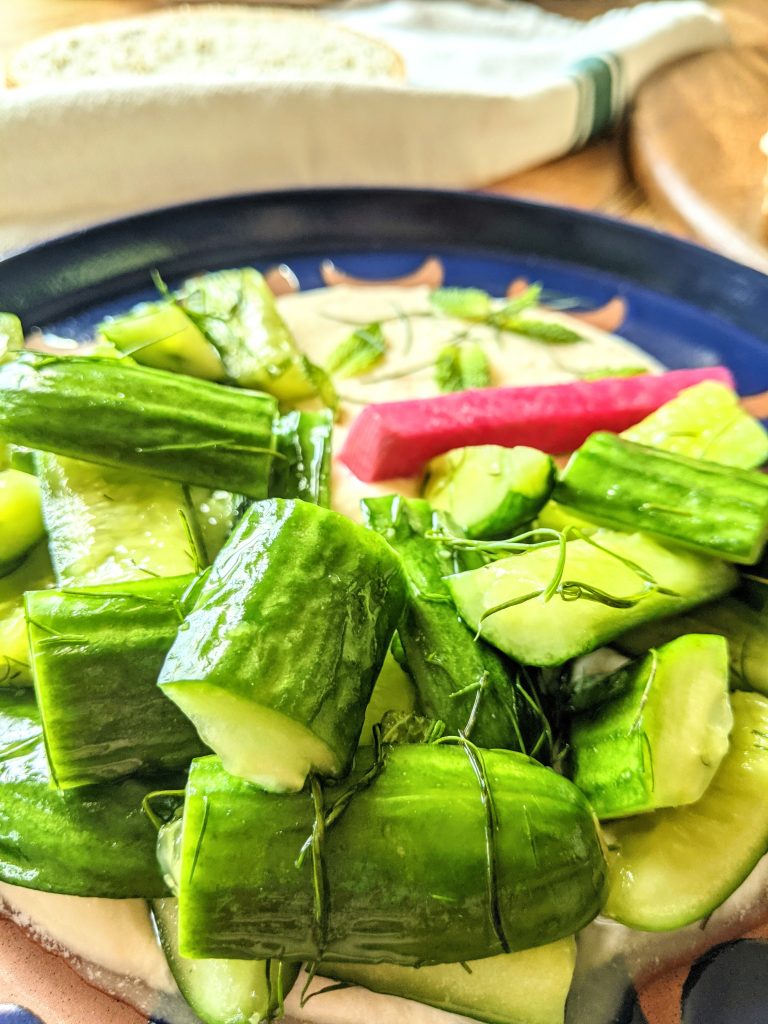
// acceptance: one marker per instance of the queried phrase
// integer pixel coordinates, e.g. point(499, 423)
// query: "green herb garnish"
point(461, 367)
point(359, 353)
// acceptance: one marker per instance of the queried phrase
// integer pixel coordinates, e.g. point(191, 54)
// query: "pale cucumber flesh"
point(222, 991)
point(254, 743)
point(544, 632)
point(21, 520)
point(529, 987)
point(675, 866)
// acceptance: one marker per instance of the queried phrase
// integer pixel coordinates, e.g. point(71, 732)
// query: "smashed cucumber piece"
point(407, 859)
point(160, 334)
point(604, 586)
point(466, 684)
point(106, 523)
point(699, 505)
point(490, 490)
point(304, 441)
point(675, 866)
point(222, 991)
point(529, 987)
point(96, 654)
point(92, 842)
point(237, 313)
point(705, 422)
point(276, 661)
point(744, 628)
point(631, 756)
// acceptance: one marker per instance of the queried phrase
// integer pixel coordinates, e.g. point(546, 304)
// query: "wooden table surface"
point(598, 178)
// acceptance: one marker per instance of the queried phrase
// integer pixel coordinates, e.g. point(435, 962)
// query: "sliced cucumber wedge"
point(705, 422)
point(223, 991)
point(673, 867)
point(631, 756)
point(393, 691)
point(604, 591)
point(160, 334)
point(21, 520)
point(109, 524)
point(490, 490)
point(516, 988)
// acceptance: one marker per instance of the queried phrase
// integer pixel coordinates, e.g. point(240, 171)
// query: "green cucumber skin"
point(133, 416)
point(95, 842)
point(718, 510)
point(222, 991)
point(489, 490)
point(296, 615)
point(676, 866)
point(405, 864)
point(549, 633)
point(441, 653)
point(304, 438)
point(103, 713)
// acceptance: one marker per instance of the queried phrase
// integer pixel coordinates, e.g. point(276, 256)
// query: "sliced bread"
point(210, 40)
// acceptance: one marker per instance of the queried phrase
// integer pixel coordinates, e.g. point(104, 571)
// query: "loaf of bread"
point(210, 40)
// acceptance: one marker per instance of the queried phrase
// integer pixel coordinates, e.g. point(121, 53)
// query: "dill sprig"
point(491, 828)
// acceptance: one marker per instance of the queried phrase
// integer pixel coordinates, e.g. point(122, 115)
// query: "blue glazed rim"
point(687, 305)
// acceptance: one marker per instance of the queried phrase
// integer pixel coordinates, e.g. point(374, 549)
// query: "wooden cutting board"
point(694, 146)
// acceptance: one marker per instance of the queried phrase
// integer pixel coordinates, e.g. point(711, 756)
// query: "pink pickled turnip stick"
point(397, 438)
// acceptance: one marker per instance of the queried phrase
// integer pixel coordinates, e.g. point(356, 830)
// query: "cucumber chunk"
point(160, 334)
point(406, 860)
point(705, 422)
point(237, 313)
point(700, 505)
point(630, 756)
point(103, 713)
point(673, 867)
point(276, 661)
point(465, 684)
point(222, 991)
point(34, 573)
point(546, 633)
point(109, 524)
point(137, 418)
point(490, 490)
point(529, 987)
point(92, 842)
point(21, 520)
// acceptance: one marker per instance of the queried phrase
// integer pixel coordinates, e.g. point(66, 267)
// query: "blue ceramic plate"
point(684, 305)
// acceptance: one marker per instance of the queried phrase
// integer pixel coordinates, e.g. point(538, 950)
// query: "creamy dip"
point(117, 935)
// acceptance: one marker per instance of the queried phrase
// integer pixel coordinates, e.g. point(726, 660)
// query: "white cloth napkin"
point(492, 88)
